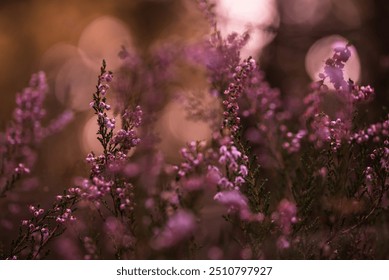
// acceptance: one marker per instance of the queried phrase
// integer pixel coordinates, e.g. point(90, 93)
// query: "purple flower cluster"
point(234, 162)
point(179, 227)
point(271, 182)
point(375, 132)
point(232, 94)
point(285, 217)
point(235, 201)
point(293, 141)
point(192, 156)
point(108, 166)
point(326, 131)
point(96, 188)
point(25, 132)
point(333, 68)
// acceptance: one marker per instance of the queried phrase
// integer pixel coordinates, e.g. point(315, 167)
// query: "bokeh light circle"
point(102, 39)
point(323, 49)
point(253, 16)
point(75, 83)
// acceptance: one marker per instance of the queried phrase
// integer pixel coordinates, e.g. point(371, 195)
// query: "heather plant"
point(21, 139)
point(268, 183)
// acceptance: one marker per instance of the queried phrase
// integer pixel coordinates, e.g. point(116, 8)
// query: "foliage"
point(295, 185)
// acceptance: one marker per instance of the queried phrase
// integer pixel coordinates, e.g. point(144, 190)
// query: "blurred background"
point(68, 40)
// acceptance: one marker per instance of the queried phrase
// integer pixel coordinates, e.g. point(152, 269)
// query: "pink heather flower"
point(232, 94)
point(239, 181)
point(19, 142)
point(285, 216)
point(107, 77)
point(234, 162)
point(213, 175)
point(243, 170)
point(193, 156)
point(45, 231)
point(133, 118)
point(372, 133)
point(362, 94)
point(235, 153)
point(225, 184)
point(31, 208)
point(193, 183)
point(64, 216)
point(58, 123)
point(179, 227)
point(235, 201)
point(333, 68)
point(325, 130)
point(21, 169)
point(293, 141)
point(126, 139)
point(94, 189)
point(109, 123)
point(125, 196)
